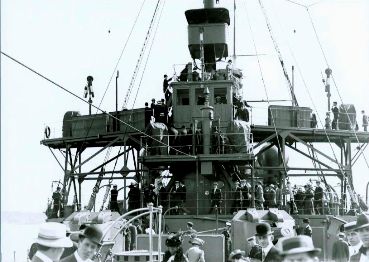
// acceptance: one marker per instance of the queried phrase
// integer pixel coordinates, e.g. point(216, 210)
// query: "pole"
point(116, 91)
point(234, 32)
point(150, 206)
point(216, 217)
point(293, 85)
point(202, 53)
point(159, 233)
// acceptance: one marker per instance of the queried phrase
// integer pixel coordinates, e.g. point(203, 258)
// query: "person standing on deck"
point(318, 198)
point(195, 253)
point(335, 112)
point(57, 199)
point(365, 121)
point(259, 196)
point(309, 200)
point(215, 198)
point(114, 199)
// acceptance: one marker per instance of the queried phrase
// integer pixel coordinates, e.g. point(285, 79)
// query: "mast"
point(234, 32)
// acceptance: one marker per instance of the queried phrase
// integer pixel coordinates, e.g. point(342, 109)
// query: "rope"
point(292, 93)
point(152, 43)
point(139, 60)
point(336, 86)
point(265, 89)
point(99, 109)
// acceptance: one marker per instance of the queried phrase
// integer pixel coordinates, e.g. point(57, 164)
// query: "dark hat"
point(298, 244)
point(93, 233)
point(235, 253)
point(173, 241)
point(115, 186)
point(306, 220)
point(190, 223)
point(57, 188)
point(165, 75)
point(263, 229)
point(350, 226)
point(90, 78)
point(362, 221)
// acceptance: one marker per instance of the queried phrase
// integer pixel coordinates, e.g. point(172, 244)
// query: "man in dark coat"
point(245, 194)
point(166, 83)
point(57, 198)
point(215, 198)
point(237, 197)
point(340, 250)
point(318, 198)
point(264, 236)
point(134, 196)
point(335, 112)
point(175, 197)
point(149, 194)
point(88, 245)
point(362, 227)
point(307, 228)
point(162, 196)
point(114, 199)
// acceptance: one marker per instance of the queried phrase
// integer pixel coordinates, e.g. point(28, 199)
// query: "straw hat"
point(52, 234)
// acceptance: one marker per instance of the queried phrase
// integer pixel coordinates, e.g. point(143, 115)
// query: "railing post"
point(150, 206)
point(159, 233)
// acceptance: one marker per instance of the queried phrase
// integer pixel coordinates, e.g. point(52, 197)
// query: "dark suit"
point(273, 255)
point(216, 198)
point(340, 251)
point(308, 231)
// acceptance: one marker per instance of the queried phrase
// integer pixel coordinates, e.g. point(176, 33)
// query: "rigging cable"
point(101, 110)
point(305, 85)
point(318, 115)
point(139, 60)
point(266, 92)
point(335, 84)
point(293, 96)
point(147, 59)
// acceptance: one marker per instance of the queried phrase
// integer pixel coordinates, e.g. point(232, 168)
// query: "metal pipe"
point(366, 196)
point(150, 206)
point(175, 207)
point(208, 3)
point(159, 233)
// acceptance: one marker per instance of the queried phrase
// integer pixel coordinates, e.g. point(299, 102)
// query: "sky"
point(68, 40)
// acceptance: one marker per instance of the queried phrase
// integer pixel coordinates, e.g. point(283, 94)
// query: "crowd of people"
point(56, 243)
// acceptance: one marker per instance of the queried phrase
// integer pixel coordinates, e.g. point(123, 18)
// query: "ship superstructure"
point(202, 134)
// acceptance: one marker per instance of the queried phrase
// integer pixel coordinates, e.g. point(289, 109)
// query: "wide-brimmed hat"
point(362, 221)
point(93, 233)
point(189, 223)
point(263, 229)
point(52, 234)
point(173, 241)
point(298, 244)
point(196, 241)
point(349, 226)
point(236, 252)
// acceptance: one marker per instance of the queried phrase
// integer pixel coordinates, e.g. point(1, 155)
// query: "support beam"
point(316, 150)
point(57, 160)
point(308, 156)
point(264, 141)
point(98, 152)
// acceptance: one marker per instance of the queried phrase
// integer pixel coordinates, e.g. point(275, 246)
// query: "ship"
point(201, 133)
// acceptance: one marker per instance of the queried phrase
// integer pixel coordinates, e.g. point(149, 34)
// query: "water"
point(18, 232)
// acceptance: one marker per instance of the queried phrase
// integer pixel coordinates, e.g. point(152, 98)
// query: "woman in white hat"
point(51, 242)
point(195, 253)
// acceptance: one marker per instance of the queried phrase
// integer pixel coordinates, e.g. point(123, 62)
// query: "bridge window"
point(199, 96)
point(183, 97)
point(220, 96)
